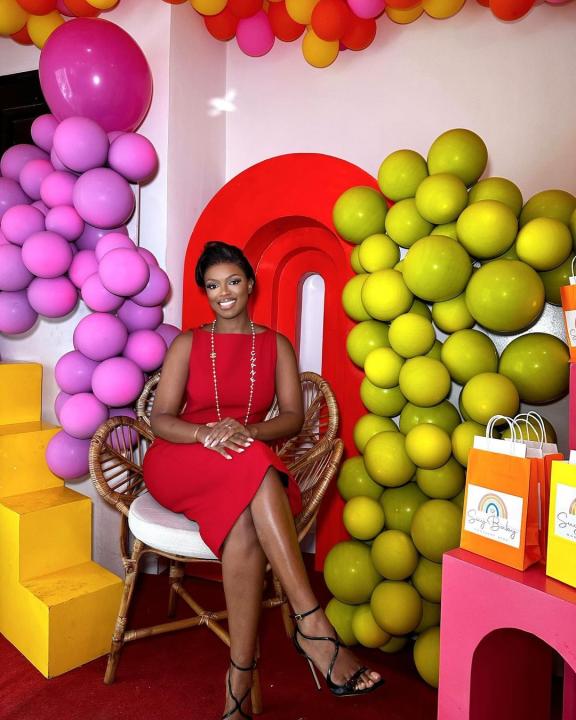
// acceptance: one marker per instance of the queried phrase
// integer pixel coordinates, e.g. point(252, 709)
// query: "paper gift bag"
point(561, 557)
point(572, 408)
point(568, 295)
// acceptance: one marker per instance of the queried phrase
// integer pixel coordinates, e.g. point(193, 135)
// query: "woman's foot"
point(238, 687)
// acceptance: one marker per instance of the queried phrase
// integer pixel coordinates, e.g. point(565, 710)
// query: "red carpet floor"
point(181, 676)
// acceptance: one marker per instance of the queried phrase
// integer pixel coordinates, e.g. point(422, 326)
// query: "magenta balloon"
point(64, 220)
point(32, 176)
point(114, 134)
point(3, 240)
point(100, 336)
point(117, 381)
point(103, 198)
point(367, 9)
point(73, 372)
point(67, 456)
point(53, 298)
point(93, 68)
point(58, 188)
point(82, 415)
point(21, 221)
point(113, 241)
point(123, 272)
point(39, 205)
point(61, 398)
point(97, 297)
point(11, 194)
point(148, 256)
point(254, 35)
point(91, 235)
point(47, 254)
point(146, 348)
point(168, 332)
point(134, 157)
point(83, 264)
point(138, 317)
point(81, 144)
point(55, 160)
point(16, 314)
point(157, 288)
point(17, 156)
point(42, 131)
point(14, 275)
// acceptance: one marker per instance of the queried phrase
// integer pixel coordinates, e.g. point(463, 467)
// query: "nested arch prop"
point(280, 213)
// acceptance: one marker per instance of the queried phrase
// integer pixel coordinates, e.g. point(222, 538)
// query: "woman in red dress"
point(212, 463)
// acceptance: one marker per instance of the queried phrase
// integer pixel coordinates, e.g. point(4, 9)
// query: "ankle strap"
point(244, 669)
point(299, 616)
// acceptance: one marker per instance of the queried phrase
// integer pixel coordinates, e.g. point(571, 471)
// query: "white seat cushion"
point(164, 530)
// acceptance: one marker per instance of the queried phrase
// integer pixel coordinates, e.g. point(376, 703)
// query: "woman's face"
point(227, 289)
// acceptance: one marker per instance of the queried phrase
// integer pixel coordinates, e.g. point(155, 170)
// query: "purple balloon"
point(16, 313)
point(93, 68)
point(11, 194)
point(103, 198)
point(137, 317)
point(74, 372)
point(67, 456)
point(58, 188)
point(113, 241)
point(157, 289)
point(168, 332)
point(82, 415)
point(14, 275)
point(53, 298)
point(3, 240)
point(97, 297)
point(123, 272)
point(55, 160)
point(148, 256)
point(129, 437)
point(32, 176)
point(117, 382)
point(61, 398)
point(64, 220)
point(134, 157)
point(42, 131)
point(146, 348)
point(81, 144)
point(91, 235)
point(100, 336)
point(21, 221)
point(254, 34)
point(39, 205)
point(17, 156)
point(82, 266)
point(46, 254)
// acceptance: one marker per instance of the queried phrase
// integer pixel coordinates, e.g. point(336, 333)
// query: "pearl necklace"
point(252, 371)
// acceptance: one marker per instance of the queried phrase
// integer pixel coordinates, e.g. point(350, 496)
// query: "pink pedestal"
point(488, 668)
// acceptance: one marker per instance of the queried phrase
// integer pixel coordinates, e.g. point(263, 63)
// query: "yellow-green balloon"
point(366, 629)
point(349, 572)
point(441, 483)
point(436, 268)
point(458, 151)
point(487, 228)
point(554, 279)
point(359, 212)
point(394, 645)
point(386, 459)
point(420, 308)
point(400, 174)
point(340, 616)
point(448, 230)
point(385, 295)
point(394, 555)
point(436, 528)
point(427, 656)
point(354, 481)
point(532, 431)
point(544, 243)
point(378, 252)
point(405, 225)
point(365, 337)
point(400, 504)
point(352, 298)
point(467, 353)
point(441, 198)
point(387, 402)
point(557, 204)
point(538, 365)
point(363, 517)
point(459, 500)
point(428, 446)
point(382, 367)
point(489, 394)
point(369, 425)
point(430, 616)
point(452, 315)
point(396, 607)
point(355, 261)
point(444, 415)
point(573, 225)
point(435, 351)
point(463, 439)
point(500, 189)
point(424, 381)
point(427, 579)
point(505, 296)
point(411, 334)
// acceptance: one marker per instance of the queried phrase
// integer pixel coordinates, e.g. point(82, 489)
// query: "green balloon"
point(352, 298)
point(420, 308)
point(435, 351)
point(557, 204)
point(448, 230)
point(436, 528)
point(400, 174)
point(405, 225)
point(378, 252)
point(460, 152)
point(359, 212)
point(444, 415)
point(554, 279)
point(400, 504)
point(436, 268)
point(442, 483)
point(355, 261)
point(365, 337)
point(353, 480)
point(467, 353)
point(369, 425)
point(350, 573)
point(340, 616)
point(500, 189)
point(487, 228)
point(441, 198)
point(387, 402)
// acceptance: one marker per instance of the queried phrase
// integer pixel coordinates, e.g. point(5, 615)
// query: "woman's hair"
point(217, 252)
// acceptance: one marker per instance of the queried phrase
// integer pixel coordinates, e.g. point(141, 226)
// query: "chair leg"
point(286, 619)
point(176, 575)
point(256, 693)
point(120, 627)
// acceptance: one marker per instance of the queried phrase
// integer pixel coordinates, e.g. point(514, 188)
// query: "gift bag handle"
point(539, 428)
point(516, 435)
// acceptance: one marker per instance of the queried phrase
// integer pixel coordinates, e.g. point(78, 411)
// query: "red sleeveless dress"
point(196, 481)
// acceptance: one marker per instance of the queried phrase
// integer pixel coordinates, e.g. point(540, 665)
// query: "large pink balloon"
point(16, 313)
point(100, 336)
point(117, 382)
point(103, 198)
point(67, 456)
point(21, 221)
point(52, 297)
point(14, 275)
point(74, 372)
point(93, 68)
point(82, 415)
point(11, 194)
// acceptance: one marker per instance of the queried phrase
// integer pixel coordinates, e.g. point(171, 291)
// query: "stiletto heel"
point(350, 686)
point(238, 702)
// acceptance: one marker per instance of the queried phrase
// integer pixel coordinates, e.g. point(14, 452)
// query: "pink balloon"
point(55, 160)
point(16, 313)
point(103, 198)
point(91, 235)
point(254, 35)
point(93, 68)
point(46, 254)
point(83, 265)
point(39, 205)
point(146, 348)
point(129, 437)
point(58, 188)
point(81, 144)
point(113, 241)
point(100, 336)
point(74, 372)
point(123, 272)
point(112, 135)
point(168, 332)
point(17, 156)
point(62, 9)
point(148, 256)
point(67, 456)
point(117, 381)
point(59, 402)
point(97, 297)
point(367, 9)
point(137, 317)
point(42, 131)
point(32, 176)
point(134, 157)
point(82, 415)
point(21, 221)
point(157, 289)
point(64, 220)
point(11, 194)
point(53, 298)
point(14, 275)
point(3, 240)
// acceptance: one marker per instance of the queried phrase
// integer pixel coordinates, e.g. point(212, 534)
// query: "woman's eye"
point(235, 281)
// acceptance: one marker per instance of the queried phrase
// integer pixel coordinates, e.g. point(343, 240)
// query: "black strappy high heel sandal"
point(349, 687)
point(238, 702)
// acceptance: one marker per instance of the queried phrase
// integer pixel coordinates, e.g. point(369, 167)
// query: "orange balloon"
point(223, 25)
point(282, 24)
point(80, 8)
point(330, 19)
point(510, 9)
point(359, 34)
point(38, 7)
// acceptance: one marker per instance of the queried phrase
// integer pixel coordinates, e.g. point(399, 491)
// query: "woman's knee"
point(243, 531)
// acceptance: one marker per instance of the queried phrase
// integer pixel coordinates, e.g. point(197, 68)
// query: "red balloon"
point(331, 19)
point(38, 7)
point(80, 8)
point(222, 26)
point(484, 3)
point(510, 9)
point(283, 26)
point(175, 2)
point(22, 37)
point(244, 8)
point(360, 33)
point(401, 4)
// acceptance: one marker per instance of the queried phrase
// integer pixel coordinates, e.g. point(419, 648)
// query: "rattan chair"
point(116, 455)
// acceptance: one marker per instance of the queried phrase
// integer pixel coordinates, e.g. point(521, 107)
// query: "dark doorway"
point(21, 101)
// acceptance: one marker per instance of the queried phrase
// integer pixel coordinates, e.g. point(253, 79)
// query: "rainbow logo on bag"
point(494, 505)
point(572, 508)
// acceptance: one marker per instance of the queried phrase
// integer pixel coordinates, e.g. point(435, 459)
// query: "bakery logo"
point(496, 516)
point(493, 505)
point(565, 524)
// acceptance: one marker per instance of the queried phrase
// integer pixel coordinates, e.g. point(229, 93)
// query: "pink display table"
point(488, 668)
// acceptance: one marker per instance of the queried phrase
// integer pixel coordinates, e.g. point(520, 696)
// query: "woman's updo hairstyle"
point(217, 252)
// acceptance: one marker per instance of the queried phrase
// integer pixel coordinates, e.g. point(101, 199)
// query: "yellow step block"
point(20, 392)
point(23, 466)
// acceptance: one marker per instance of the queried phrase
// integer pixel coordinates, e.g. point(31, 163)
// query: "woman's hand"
point(224, 430)
point(232, 440)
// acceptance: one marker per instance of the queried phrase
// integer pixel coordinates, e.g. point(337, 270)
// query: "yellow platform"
point(56, 605)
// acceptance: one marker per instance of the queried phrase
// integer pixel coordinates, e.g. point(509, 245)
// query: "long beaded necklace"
point(252, 370)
